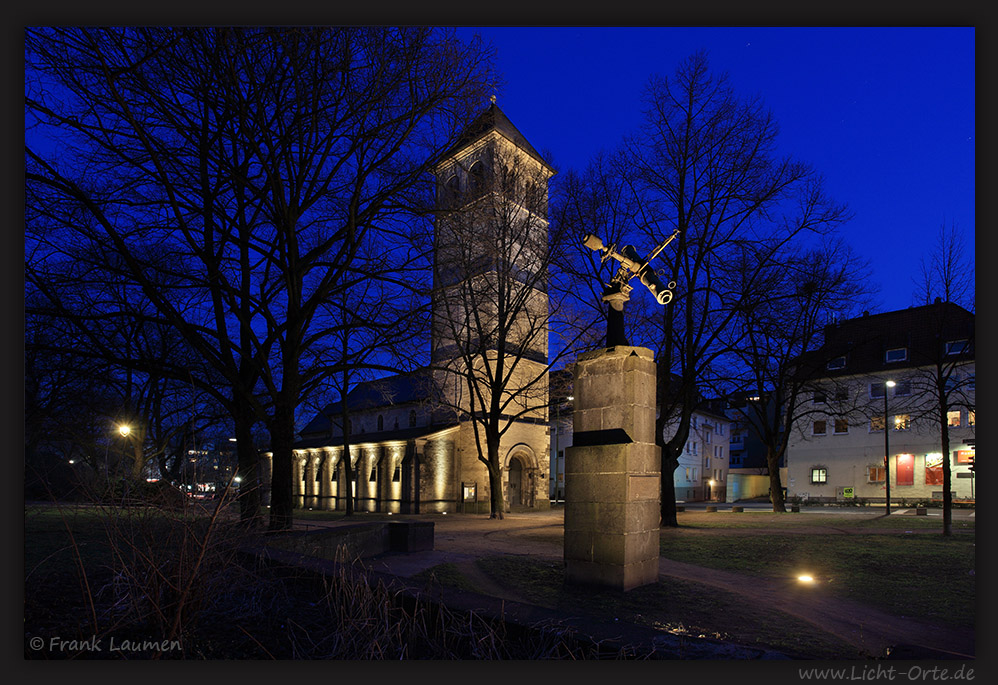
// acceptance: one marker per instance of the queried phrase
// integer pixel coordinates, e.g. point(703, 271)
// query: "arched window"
point(476, 179)
point(381, 422)
point(452, 189)
point(412, 418)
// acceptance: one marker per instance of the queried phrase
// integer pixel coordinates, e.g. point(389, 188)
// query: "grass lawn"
point(922, 576)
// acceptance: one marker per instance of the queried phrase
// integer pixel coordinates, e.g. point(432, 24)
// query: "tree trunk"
point(247, 466)
point(775, 485)
point(281, 443)
point(947, 472)
point(670, 462)
point(497, 503)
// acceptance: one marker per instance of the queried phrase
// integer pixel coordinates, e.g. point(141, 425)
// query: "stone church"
point(412, 445)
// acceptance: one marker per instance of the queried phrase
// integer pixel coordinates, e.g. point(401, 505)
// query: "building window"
point(972, 381)
point(902, 422)
point(818, 428)
point(374, 475)
point(875, 474)
point(819, 475)
point(897, 354)
point(412, 418)
point(818, 397)
point(877, 390)
point(836, 363)
point(876, 424)
point(972, 417)
point(397, 475)
point(841, 426)
point(902, 389)
point(957, 346)
point(841, 394)
point(953, 418)
point(934, 468)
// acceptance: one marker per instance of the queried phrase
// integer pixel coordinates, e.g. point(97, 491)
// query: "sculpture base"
point(612, 472)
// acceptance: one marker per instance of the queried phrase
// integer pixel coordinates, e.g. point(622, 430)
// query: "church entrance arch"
point(521, 473)
point(515, 482)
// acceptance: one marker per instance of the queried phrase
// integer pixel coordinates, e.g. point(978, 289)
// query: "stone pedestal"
point(613, 471)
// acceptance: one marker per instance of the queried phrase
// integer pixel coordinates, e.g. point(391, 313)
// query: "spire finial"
point(492, 98)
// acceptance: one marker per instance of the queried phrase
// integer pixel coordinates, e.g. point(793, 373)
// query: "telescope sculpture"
point(617, 292)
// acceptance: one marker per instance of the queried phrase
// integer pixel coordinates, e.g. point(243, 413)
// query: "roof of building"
point(493, 119)
point(922, 331)
point(399, 434)
point(383, 392)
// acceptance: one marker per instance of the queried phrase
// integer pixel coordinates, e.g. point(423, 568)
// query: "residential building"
point(857, 418)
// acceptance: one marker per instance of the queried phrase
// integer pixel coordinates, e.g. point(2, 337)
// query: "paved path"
point(460, 539)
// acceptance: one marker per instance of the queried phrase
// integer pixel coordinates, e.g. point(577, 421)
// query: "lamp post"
point(887, 451)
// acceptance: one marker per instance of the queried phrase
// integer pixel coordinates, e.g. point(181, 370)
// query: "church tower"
point(490, 305)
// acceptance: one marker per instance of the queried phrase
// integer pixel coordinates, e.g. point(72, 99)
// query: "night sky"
point(885, 114)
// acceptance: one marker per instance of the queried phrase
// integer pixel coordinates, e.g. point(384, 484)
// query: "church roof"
point(383, 392)
point(380, 436)
point(493, 119)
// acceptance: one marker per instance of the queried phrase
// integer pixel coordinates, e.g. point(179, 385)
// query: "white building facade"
point(874, 415)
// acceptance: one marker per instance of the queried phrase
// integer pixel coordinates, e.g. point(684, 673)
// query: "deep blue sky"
point(885, 114)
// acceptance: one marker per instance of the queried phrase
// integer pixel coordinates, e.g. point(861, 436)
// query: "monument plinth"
point(613, 471)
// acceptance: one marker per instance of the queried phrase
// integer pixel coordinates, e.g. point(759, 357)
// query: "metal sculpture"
point(618, 291)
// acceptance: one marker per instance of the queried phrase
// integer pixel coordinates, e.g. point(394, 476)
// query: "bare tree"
point(946, 272)
point(945, 380)
point(705, 163)
point(230, 176)
point(781, 318)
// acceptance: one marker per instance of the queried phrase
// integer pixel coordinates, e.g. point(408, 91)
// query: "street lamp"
point(124, 429)
point(887, 451)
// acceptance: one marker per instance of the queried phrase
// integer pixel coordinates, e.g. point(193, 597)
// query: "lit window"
point(841, 426)
point(972, 417)
point(897, 354)
point(837, 363)
point(902, 422)
point(818, 428)
point(875, 474)
point(934, 468)
point(819, 475)
point(876, 424)
point(957, 346)
point(953, 418)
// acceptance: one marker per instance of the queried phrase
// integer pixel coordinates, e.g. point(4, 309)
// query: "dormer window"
point(957, 346)
point(836, 363)
point(896, 354)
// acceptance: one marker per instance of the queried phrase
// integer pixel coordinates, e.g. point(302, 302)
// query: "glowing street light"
point(887, 452)
point(806, 579)
point(124, 429)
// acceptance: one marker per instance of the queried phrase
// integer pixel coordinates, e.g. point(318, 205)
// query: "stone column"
point(613, 471)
